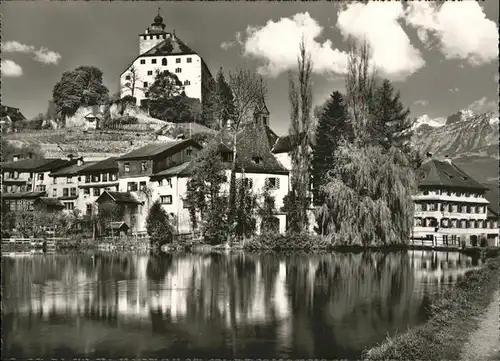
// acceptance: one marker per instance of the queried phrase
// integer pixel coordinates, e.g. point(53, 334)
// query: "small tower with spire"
point(261, 112)
point(153, 35)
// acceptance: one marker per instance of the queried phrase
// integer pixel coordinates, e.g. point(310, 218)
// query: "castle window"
point(145, 84)
point(127, 77)
point(143, 61)
point(150, 72)
point(153, 61)
point(189, 60)
point(187, 82)
point(177, 60)
point(178, 70)
point(164, 61)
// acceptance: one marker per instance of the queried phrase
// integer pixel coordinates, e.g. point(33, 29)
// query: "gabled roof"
point(170, 46)
point(13, 113)
point(151, 151)
point(117, 225)
point(108, 164)
point(252, 142)
point(178, 170)
point(23, 195)
point(284, 144)
point(71, 170)
point(36, 165)
point(438, 173)
point(119, 197)
point(53, 202)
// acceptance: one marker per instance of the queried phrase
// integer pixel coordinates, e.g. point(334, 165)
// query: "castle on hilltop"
point(160, 50)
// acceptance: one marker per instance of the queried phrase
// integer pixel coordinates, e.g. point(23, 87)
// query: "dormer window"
point(144, 166)
point(257, 160)
point(126, 168)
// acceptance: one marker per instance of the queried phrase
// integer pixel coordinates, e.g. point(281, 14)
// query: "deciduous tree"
point(158, 226)
point(82, 86)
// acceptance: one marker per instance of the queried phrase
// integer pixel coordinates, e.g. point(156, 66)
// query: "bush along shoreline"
point(453, 318)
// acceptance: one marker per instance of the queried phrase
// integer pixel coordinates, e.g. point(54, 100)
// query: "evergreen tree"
point(391, 125)
point(333, 125)
point(158, 226)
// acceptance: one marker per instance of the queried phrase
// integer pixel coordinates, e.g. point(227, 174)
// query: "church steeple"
point(261, 112)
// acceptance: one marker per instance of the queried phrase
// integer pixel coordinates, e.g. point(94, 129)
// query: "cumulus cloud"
point(377, 23)
point(277, 45)
point(422, 103)
point(11, 69)
point(462, 29)
point(484, 105)
point(42, 55)
point(229, 44)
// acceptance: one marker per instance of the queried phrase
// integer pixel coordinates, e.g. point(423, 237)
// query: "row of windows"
point(104, 177)
point(15, 188)
point(450, 207)
point(66, 192)
point(164, 61)
point(454, 223)
point(18, 205)
point(450, 193)
point(134, 186)
point(96, 192)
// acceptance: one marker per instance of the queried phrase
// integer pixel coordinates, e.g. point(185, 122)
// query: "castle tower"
point(153, 35)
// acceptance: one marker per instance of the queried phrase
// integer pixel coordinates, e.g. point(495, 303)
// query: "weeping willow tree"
point(368, 191)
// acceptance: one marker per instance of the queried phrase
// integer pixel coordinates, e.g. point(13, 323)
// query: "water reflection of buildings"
point(345, 299)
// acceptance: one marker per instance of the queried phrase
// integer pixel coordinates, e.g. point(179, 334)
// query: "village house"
point(94, 180)
point(160, 50)
point(23, 181)
point(255, 165)
point(65, 184)
point(134, 172)
point(450, 206)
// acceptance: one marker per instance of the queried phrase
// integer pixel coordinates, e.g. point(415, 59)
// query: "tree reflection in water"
point(329, 305)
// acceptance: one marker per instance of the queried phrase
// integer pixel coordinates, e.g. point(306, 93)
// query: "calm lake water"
point(226, 305)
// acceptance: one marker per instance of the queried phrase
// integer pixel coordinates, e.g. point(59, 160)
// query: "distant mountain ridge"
point(470, 139)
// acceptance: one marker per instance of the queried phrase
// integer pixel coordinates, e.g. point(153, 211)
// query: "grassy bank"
point(453, 319)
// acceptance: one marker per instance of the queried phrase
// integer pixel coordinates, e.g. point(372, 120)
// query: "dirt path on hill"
point(484, 343)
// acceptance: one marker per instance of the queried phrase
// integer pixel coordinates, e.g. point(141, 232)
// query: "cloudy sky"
point(442, 57)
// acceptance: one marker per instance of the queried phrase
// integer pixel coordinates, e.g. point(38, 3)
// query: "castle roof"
point(437, 173)
point(172, 45)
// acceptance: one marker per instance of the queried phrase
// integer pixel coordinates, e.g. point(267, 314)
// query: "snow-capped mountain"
point(470, 139)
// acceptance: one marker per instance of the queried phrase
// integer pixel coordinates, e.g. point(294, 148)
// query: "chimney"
point(447, 159)
point(79, 161)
